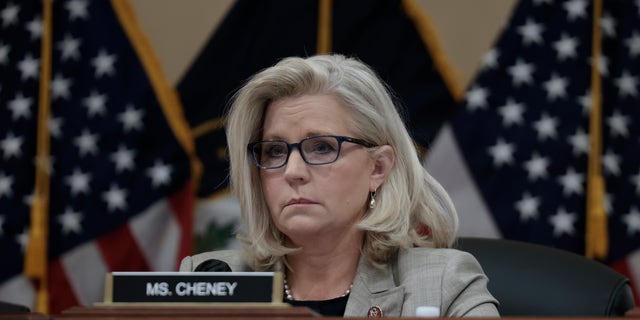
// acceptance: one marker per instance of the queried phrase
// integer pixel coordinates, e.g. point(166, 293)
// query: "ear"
point(383, 158)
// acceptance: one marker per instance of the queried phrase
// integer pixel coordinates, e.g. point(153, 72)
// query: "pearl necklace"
point(287, 290)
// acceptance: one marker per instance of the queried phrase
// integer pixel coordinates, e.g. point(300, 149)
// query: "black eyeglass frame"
point(291, 146)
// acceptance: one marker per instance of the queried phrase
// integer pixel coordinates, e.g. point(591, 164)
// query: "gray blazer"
point(449, 279)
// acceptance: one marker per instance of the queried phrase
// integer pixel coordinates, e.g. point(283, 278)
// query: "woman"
point(333, 194)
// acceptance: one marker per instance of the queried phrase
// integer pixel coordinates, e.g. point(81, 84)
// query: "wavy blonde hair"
point(409, 199)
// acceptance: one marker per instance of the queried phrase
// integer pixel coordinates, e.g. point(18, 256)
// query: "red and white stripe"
point(154, 240)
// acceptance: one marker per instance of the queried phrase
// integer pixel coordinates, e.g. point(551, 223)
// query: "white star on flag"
point(115, 198)
point(9, 15)
point(95, 103)
point(11, 146)
point(528, 207)
point(20, 107)
point(131, 118)
point(531, 32)
point(477, 98)
point(632, 220)
point(511, 112)
point(537, 167)
point(70, 221)
point(78, 9)
point(86, 143)
point(104, 64)
point(522, 73)
point(6, 183)
point(502, 153)
point(29, 67)
point(563, 222)
point(79, 182)
point(572, 182)
point(124, 159)
point(576, 9)
point(566, 47)
point(580, 142)
point(69, 47)
point(160, 174)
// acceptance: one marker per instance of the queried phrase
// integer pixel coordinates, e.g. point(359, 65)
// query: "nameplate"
point(190, 287)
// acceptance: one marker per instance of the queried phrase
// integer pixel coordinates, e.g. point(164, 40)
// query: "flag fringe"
point(207, 127)
point(431, 40)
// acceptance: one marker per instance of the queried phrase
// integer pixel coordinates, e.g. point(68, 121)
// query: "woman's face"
point(311, 201)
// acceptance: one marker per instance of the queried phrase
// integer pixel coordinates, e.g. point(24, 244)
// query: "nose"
point(296, 168)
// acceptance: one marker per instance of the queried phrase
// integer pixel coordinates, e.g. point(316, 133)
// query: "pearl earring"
point(372, 202)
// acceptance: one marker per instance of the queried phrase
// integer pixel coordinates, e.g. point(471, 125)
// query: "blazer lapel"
point(374, 290)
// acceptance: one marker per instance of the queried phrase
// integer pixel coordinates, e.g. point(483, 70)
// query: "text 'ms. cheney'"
point(200, 289)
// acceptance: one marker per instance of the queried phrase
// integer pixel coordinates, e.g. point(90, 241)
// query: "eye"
point(321, 146)
point(274, 150)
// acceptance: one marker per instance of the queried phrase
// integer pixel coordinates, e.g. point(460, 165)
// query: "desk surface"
point(236, 313)
point(174, 312)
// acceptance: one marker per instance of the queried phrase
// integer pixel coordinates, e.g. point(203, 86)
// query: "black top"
point(332, 307)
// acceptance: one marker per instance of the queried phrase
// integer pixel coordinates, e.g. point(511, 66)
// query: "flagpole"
point(324, 26)
point(35, 259)
point(596, 237)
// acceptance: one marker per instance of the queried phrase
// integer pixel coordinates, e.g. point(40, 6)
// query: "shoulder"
point(452, 277)
point(232, 257)
point(433, 257)
point(448, 266)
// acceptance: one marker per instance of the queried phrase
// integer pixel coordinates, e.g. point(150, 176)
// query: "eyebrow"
point(311, 134)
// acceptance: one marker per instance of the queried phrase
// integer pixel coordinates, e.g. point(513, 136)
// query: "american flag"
point(523, 130)
point(120, 158)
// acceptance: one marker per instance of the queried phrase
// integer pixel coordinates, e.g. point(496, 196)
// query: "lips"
point(299, 201)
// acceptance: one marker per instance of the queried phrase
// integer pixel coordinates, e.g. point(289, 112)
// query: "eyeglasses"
point(316, 150)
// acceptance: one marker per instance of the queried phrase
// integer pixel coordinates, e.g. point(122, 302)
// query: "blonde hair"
point(409, 198)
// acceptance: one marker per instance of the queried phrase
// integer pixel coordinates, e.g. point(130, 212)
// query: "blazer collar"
point(374, 288)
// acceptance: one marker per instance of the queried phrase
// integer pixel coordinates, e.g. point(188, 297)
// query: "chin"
point(303, 227)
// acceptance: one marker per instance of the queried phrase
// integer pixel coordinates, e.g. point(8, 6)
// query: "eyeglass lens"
point(314, 150)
